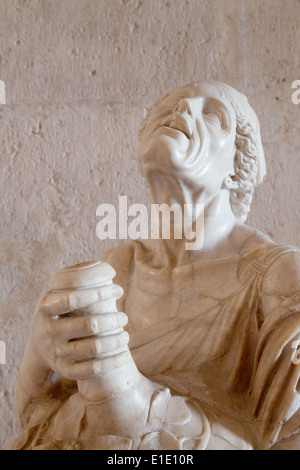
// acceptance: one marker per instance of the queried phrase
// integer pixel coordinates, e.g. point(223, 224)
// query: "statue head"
point(222, 109)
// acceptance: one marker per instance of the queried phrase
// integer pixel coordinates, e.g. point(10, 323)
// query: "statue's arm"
point(36, 376)
point(33, 380)
point(275, 390)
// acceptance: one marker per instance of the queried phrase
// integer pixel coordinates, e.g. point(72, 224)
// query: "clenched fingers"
point(92, 368)
point(69, 328)
point(60, 302)
point(92, 347)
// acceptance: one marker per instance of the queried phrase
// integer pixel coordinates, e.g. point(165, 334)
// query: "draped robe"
point(215, 331)
point(219, 333)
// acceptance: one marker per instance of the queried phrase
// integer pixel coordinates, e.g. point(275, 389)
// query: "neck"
point(213, 226)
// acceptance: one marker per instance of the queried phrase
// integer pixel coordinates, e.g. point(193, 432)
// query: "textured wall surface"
point(79, 76)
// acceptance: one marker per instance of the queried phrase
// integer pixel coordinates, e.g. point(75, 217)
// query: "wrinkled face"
point(191, 134)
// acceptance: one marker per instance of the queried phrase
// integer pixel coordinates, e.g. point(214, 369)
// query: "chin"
point(159, 158)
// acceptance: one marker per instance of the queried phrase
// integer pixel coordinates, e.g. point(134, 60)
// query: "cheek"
point(222, 142)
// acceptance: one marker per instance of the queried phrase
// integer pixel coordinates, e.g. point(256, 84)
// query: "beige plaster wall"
point(79, 76)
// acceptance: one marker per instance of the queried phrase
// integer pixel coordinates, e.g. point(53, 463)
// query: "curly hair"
point(249, 162)
point(245, 168)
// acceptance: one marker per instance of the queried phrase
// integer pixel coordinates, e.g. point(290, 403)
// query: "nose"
point(188, 106)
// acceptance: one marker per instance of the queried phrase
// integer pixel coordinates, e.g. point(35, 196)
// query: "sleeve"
point(275, 390)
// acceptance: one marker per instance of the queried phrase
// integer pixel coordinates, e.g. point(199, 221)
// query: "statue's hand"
point(69, 335)
point(77, 332)
point(76, 325)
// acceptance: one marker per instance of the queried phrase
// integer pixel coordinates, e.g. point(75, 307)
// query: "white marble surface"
point(79, 77)
point(210, 363)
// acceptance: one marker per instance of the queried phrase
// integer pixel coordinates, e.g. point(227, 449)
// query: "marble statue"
point(158, 347)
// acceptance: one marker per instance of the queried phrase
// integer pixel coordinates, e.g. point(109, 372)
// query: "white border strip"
point(2, 92)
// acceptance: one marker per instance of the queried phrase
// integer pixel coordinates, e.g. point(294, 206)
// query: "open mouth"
point(180, 129)
point(178, 123)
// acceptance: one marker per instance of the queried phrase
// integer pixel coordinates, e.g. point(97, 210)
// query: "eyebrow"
point(215, 101)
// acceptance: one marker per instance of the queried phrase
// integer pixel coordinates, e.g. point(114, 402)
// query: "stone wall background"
point(79, 76)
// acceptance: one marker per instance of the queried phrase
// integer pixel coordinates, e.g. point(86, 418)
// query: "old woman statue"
point(185, 349)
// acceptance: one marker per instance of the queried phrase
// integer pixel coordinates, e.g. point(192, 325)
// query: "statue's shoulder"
point(121, 258)
point(121, 253)
point(277, 264)
point(282, 275)
point(253, 240)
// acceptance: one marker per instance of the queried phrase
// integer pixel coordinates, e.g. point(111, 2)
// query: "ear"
point(230, 183)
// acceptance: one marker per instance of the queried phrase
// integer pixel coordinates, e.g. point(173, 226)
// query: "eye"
point(214, 117)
